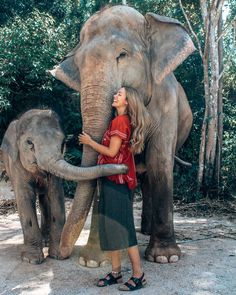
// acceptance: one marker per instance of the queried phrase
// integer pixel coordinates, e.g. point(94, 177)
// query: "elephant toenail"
point(92, 263)
point(174, 258)
point(161, 259)
point(82, 261)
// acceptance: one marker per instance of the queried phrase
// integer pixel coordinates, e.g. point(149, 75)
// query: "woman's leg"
point(134, 257)
point(115, 261)
point(116, 269)
point(138, 279)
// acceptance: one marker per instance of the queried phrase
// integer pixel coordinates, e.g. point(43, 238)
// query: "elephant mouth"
point(38, 172)
point(41, 178)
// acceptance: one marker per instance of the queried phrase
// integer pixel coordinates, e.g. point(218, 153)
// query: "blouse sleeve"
point(120, 128)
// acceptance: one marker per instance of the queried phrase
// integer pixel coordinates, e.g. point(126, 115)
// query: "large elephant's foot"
point(162, 252)
point(54, 252)
point(92, 256)
point(32, 254)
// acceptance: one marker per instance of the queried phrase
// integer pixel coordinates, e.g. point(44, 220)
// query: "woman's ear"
point(169, 45)
point(9, 142)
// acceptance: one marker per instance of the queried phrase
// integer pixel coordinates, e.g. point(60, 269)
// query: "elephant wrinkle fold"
point(121, 47)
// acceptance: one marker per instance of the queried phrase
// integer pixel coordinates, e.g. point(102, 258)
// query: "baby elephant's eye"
point(29, 142)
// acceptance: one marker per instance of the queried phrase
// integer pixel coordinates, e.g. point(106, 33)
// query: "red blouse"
point(121, 127)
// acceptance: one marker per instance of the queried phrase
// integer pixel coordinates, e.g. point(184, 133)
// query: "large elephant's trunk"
point(96, 114)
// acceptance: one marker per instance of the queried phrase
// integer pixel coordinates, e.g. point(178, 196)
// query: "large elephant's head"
point(119, 47)
point(36, 142)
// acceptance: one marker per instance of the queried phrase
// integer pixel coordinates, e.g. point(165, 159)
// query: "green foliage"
point(229, 148)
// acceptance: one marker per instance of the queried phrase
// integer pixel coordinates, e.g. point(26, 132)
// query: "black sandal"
point(139, 283)
point(110, 280)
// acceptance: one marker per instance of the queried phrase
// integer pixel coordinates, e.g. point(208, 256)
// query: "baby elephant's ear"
point(9, 142)
point(169, 44)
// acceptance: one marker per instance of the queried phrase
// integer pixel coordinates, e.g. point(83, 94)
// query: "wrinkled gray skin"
point(32, 152)
point(120, 47)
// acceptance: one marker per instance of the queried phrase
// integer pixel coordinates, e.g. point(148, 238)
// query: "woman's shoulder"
point(120, 125)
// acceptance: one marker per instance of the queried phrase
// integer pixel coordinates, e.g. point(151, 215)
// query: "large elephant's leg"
point(159, 162)
point(57, 217)
point(91, 255)
point(26, 204)
point(146, 220)
point(45, 209)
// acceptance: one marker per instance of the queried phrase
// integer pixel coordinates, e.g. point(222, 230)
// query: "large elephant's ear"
point(67, 71)
point(169, 44)
point(9, 142)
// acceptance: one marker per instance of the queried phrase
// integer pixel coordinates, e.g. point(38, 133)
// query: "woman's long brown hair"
point(139, 119)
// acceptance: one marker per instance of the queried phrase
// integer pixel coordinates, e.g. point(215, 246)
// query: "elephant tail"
point(141, 168)
point(180, 161)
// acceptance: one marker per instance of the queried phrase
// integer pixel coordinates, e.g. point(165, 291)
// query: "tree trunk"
point(204, 124)
point(212, 128)
point(220, 107)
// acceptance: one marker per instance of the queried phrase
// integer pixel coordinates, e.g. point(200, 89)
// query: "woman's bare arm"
point(111, 151)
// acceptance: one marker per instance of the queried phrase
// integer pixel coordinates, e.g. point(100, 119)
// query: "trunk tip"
point(65, 252)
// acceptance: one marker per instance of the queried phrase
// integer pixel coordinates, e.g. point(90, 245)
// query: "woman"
point(124, 137)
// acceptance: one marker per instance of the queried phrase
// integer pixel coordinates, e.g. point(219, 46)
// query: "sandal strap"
point(131, 287)
point(138, 283)
point(110, 279)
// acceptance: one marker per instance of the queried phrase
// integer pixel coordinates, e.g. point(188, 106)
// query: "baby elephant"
point(32, 151)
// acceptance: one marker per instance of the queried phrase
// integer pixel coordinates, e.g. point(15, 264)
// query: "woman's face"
point(120, 99)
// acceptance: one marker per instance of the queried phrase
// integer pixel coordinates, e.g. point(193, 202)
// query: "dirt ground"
point(206, 234)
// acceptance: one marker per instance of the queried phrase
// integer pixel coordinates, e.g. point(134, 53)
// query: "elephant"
point(32, 151)
point(120, 47)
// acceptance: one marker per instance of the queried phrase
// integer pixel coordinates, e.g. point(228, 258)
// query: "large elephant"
point(32, 151)
point(120, 47)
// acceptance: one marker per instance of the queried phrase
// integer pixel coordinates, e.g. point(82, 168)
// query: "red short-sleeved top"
point(121, 127)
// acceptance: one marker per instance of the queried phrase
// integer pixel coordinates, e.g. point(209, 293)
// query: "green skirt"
point(116, 221)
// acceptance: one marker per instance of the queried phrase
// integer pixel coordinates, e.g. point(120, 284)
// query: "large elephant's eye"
point(123, 54)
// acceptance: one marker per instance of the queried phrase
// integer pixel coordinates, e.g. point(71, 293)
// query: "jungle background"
point(36, 35)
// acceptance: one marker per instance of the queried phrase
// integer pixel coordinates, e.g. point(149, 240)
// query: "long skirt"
point(116, 221)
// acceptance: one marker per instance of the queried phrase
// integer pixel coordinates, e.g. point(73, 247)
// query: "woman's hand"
point(84, 138)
